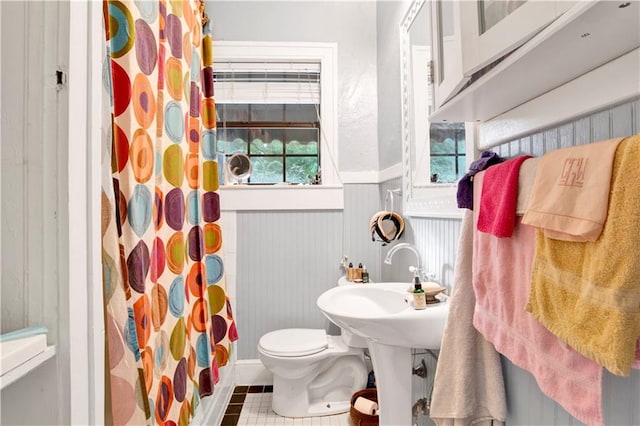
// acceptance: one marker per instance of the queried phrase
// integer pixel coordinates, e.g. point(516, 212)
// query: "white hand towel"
point(468, 385)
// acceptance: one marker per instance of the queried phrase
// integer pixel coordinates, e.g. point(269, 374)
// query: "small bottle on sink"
point(365, 275)
point(419, 297)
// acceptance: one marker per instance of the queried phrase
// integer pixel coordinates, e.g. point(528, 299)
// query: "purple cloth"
point(465, 185)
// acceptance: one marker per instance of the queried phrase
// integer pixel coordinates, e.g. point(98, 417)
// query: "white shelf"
point(26, 367)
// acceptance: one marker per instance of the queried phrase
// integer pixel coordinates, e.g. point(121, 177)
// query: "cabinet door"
point(448, 77)
point(469, 35)
point(492, 28)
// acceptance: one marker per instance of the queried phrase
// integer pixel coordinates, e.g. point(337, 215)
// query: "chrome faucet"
point(417, 270)
point(401, 246)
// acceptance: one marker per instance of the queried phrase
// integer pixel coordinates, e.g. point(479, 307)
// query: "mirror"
point(237, 168)
point(434, 154)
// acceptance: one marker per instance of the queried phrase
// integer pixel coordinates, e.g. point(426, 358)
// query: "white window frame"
point(329, 194)
point(421, 198)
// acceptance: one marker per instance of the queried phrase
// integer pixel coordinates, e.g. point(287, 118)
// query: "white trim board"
point(252, 372)
point(372, 176)
point(78, 180)
point(275, 197)
point(613, 83)
point(441, 206)
point(212, 408)
point(27, 367)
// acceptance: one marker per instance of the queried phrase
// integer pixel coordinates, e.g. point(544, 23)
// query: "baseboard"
point(212, 408)
point(252, 372)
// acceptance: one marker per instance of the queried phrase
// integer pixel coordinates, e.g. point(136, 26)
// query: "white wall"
point(50, 269)
point(389, 15)
point(31, 293)
point(350, 24)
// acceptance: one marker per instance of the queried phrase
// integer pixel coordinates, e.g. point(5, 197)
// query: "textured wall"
point(350, 24)
point(285, 260)
point(389, 16)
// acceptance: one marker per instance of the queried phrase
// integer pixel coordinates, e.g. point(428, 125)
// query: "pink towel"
point(501, 281)
point(499, 198)
point(570, 195)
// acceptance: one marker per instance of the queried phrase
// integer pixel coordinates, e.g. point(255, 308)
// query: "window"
point(447, 152)
point(282, 140)
point(439, 148)
point(277, 103)
point(270, 110)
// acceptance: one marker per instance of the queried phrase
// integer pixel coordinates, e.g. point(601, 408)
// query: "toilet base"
point(328, 394)
point(291, 402)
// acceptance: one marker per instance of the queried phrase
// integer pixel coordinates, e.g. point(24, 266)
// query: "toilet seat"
point(294, 342)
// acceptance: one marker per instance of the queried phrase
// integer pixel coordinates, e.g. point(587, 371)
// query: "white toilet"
point(314, 374)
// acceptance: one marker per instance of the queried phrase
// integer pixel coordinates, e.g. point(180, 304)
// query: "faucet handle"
point(424, 276)
point(429, 276)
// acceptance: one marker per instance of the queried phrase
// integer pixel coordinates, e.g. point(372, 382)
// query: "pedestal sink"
point(380, 313)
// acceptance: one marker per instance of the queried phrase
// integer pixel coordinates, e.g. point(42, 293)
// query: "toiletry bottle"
point(365, 275)
point(419, 298)
point(359, 271)
point(350, 272)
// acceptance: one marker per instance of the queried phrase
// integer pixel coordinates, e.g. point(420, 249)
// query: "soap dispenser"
point(419, 297)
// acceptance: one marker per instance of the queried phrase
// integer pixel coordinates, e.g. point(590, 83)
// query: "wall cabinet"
point(538, 47)
point(471, 35)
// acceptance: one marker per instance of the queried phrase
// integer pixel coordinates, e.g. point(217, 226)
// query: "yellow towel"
point(570, 191)
point(588, 294)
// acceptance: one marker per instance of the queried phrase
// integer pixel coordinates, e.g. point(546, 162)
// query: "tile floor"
point(251, 405)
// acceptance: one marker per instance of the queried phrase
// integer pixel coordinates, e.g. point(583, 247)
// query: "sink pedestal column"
point(392, 368)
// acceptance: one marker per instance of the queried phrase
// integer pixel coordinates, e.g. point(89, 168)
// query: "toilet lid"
point(294, 342)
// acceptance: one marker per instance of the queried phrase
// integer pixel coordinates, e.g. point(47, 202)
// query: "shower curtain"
point(168, 319)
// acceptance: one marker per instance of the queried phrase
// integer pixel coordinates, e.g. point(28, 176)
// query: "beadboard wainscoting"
point(33, 255)
point(526, 404)
point(435, 238)
point(286, 259)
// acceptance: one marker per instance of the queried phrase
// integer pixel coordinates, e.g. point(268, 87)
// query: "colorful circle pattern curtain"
point(168, 319)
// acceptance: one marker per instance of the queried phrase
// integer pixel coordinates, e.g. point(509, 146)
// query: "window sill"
point(434, 201)
point(295, 197)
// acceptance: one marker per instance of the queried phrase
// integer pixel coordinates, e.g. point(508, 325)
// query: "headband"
point(377, 229)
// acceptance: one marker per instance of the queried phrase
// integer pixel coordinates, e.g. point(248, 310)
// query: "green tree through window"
point(447, 152)
point(282, 140)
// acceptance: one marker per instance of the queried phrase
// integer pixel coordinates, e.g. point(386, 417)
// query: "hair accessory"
point(387, 226)
point(379, 224)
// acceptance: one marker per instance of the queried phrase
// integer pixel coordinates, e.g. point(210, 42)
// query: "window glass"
point(267, 112)
point(447, 152)
point(302, 141)
point(300, 113)
point(266, 142)
point(231, 141)
point(233, 112)
point(301, 169)
point(493, 11)
point(267, 169)
point(282, 140)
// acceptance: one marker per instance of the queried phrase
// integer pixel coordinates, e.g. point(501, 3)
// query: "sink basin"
point(380, 312)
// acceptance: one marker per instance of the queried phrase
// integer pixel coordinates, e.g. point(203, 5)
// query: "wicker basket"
point(356, 418)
